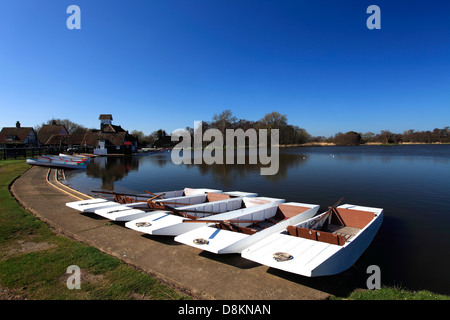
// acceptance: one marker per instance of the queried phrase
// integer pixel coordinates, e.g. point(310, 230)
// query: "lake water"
point(411, 183)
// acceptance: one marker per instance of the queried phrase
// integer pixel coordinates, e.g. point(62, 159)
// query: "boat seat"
point(267, 223)
point(316, 235)
point(235, 228)
point(285, 211)
point(212, 196)
point(351, 218)
point(345, 231)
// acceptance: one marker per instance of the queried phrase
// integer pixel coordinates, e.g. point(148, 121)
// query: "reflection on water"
point(411, 183)
point(226, 175)
point(111, 169)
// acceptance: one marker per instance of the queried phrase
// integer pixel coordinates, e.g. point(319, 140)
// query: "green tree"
point(72, 127)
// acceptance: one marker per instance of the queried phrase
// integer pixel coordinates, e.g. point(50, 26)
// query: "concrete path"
point(204, 275)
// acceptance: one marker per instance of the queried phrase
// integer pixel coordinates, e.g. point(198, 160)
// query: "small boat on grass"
point(171, 222)
point(57, 162)
point(326, 244)
point(234, 234)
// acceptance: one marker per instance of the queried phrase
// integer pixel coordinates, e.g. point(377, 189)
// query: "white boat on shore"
point(326, 244)
point(233, 235)
point(56, 162)
point(126, 211)
point(138, 210)
point(188, 195)
point(170, 223)
point(175, 198)
point(75, 157)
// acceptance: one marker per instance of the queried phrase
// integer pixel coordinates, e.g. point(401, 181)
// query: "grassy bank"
point(392, 293)
point(34, 260)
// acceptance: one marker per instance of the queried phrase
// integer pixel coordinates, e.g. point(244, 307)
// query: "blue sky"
point(164, 64)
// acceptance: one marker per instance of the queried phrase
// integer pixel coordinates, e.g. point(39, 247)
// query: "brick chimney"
point(17, 124)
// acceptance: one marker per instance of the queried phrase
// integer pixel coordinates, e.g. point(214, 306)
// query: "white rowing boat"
point(125, 208)
point(198, 196)
point(189, 195)
point(170, 223)
point(75, 158)
point(174, 198)
point(327, 244)
point(56, 162)
point(132, 211)
point(232, 237)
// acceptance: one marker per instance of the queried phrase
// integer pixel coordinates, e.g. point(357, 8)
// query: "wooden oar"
point(326, 214)
point(162, 194)
point(156, 196)
point(177, 203)
point(173, 209)
point(180, 213)
point(166, 207)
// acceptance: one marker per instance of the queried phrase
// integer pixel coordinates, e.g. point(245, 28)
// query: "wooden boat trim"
point(341, 226)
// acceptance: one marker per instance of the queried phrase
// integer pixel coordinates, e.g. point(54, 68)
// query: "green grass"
point(395, 293)
point(34, 260)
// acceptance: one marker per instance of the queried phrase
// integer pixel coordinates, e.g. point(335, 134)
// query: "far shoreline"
point(332, 144)
point(323, 144)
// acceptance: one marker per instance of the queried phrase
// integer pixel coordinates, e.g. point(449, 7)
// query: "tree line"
point(288, 134)
point(388, 137)
point(293, 135)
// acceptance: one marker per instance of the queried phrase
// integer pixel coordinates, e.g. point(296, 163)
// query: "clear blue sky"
point(167, 63)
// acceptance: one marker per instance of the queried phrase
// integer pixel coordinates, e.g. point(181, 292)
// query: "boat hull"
point(57, 164)
point(222, 241)
point(167, 224)
point(312, 258)
point(112, 210)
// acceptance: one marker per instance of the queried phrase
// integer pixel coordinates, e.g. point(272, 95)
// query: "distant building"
point(105, 119)
point(164, 142)
point(53, 134)
point(110, 139)
point(18, 136)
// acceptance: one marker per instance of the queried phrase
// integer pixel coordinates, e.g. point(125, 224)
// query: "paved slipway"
point(204, 275)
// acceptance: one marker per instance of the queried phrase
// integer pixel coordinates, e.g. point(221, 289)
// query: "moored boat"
point(138, 210)
point(56, 162)
point(326, 244)
point(234, 235)
point(75, 157)
point(170, 222)
point(154, 199)
point(195, 195)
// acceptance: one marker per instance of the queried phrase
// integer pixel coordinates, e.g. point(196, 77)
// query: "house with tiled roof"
point(18, 137)
point(52, 134)
point(111, 139)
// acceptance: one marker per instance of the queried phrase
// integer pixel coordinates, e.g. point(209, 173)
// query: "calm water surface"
point(411, 183)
